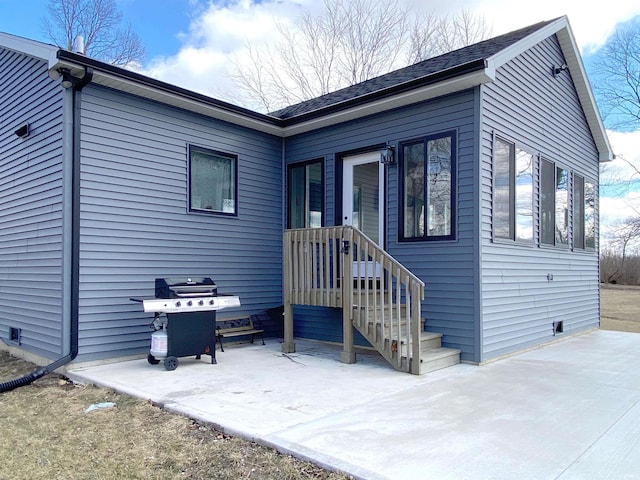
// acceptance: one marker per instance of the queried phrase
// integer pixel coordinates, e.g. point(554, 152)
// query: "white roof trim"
point(163, 96)
point(562, 30)
point(40, 50)
point(559, 27)
point(585, 94)
point(399, 100)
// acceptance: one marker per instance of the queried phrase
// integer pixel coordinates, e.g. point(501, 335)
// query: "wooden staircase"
point(341, 267)
point(371, 325)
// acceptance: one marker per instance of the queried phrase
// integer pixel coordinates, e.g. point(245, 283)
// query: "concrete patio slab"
point(568, 410)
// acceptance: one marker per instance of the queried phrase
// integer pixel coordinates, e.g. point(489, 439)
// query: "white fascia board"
point(369, 108)
point(42, 51)
point(168, 98)
point(512, 51)
point(409, 97)
point(585, 94)
point(562, 30)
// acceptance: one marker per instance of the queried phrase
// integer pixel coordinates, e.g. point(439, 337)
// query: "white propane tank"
point(159, 344)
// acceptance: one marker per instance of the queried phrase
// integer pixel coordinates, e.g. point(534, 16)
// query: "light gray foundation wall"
point(530, 106)
point(30, 205)
point(135, 225)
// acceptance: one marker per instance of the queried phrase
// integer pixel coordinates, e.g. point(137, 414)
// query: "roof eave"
point(42, 51)
point(146, 87)
point(562, 30)
point(442, 83)
point(585, 93)
point(384, 101)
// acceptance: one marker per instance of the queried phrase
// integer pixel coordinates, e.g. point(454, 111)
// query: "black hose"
point(41, 372)
point(26, 380)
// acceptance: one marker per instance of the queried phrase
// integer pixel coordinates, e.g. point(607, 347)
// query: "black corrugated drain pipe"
point(77, 85)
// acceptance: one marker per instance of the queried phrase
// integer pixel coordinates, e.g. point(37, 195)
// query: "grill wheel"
point(170, 363)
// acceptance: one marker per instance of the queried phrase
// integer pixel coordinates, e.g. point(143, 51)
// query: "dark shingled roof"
point(433, 69)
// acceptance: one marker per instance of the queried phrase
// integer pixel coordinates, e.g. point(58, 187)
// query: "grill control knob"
point(211, 302)
point(189, 303)
point(201, 302)
point(178, 304)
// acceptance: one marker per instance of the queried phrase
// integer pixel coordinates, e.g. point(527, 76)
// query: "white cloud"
point(215, 35)
point(625, 145)
point(221, 30)
point(591, 26)
point(619, 199)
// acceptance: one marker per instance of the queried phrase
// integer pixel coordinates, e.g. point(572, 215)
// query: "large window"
point(583, 214)
point(306, 195)
point(212, 181)
point(428, 188)
point(554, 204)
point(564, 212)
point(512, 192)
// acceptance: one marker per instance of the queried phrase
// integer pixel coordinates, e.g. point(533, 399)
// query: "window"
point(306, 195)
point(512, 192)
point(583, 214)
point(554, 204)
point(212, 180)
point(428, 188)
point(589, 216)
point(578, 212)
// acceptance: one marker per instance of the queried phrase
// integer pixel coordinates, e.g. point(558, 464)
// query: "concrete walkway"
point(570, 410)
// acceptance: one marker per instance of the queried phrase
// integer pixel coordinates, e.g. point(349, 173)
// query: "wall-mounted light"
point(23, 131)
point(557, 70)
point(387, 156)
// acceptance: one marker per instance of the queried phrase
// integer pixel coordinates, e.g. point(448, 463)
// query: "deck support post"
point(348, 355)
point(288, 346)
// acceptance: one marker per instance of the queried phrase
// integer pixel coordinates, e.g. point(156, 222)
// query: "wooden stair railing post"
point(348, 354)
point(287, 345)
point(416, 326)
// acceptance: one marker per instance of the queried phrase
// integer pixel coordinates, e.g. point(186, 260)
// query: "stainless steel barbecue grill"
point(185, 318)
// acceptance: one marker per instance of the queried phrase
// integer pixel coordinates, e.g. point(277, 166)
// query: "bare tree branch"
point(433, 35)
point(99, 23)
point(617, 78)
point(350, 42)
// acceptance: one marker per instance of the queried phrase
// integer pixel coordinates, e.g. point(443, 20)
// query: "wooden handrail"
point(341, 267)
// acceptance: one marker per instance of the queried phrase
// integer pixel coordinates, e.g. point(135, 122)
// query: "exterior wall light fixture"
point(23, 131)
point(557, 70)
point(387, 156)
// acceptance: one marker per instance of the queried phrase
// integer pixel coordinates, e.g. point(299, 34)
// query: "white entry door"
point(363, 195)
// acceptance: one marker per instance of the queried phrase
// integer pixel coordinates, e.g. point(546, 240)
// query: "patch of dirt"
point(49, 431)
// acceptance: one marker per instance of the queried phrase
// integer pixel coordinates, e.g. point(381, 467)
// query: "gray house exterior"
point(99, 197)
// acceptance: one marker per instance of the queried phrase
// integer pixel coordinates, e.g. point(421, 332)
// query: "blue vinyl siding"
point(135, 225)
point(528, 105)
point(30, 205)
point(445, 266)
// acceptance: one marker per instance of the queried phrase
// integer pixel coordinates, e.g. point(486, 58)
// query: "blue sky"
point(157, 22)
point(189, 42)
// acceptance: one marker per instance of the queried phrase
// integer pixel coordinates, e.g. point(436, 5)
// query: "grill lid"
point(185, 287)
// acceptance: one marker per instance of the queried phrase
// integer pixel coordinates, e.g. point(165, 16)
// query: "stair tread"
point(436, 353)
point(430, 335)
